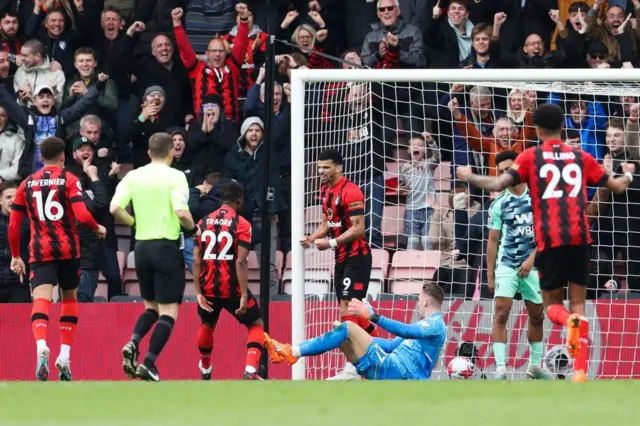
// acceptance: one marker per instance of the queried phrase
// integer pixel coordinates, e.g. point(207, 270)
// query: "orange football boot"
point(279, 352)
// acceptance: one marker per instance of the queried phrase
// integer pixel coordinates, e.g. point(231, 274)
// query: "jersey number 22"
point(217, 239)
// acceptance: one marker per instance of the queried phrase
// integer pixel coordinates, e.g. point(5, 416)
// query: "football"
point(460, 368)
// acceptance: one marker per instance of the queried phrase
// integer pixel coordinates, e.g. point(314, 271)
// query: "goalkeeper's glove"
point(362, 308)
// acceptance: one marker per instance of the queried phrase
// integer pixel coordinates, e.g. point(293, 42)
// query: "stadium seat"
point(132, 287)
point(386, 297)
point(189, 299)
point(443, 171)
point(99, 299)
point(121, 265)
point(279, 264)
point(102, 290)
point(442, 184)
point(189, 289)
point(130, 277)
point(379, 268)
point(280, 298)
point(409, 269)
point(392, 225)
point(126, 299)
point(131, 260)
point(318, 272)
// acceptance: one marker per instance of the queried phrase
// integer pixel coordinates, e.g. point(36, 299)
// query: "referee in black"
point(159, 195)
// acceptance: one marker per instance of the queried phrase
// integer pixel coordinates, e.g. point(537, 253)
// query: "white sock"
point(64, 351)
point(249, 369)
point(41, 344)
point(295, 350)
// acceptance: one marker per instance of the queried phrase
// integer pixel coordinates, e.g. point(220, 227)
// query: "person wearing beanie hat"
point(153, 118)
point(245, 164)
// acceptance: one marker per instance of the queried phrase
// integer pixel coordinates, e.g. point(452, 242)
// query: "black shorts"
point(352, 276)
point(230, 305)
point(65, 273)
point(561, 265)
point(160, 270)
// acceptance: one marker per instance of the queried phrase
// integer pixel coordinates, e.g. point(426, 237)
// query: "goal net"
point(402, 133)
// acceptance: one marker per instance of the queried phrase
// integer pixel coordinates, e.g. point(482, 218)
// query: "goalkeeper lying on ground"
point(410, 356)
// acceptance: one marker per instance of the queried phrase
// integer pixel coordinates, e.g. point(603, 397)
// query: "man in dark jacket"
point(162, 69)
point(12, 290)
point(95, 197)
point(85, 63)
point(154, 118)
point(59, 42)
point(245, 165)
point(210, 137)
point(42, 120)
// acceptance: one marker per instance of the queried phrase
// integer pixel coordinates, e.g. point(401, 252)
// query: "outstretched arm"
point(418, 330)
point(489, 183)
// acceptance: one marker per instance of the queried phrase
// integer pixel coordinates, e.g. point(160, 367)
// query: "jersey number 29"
point(217, 239)
point(49, 209)
point(571, 174)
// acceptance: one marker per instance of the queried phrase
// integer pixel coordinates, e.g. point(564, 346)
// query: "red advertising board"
point(105, 327)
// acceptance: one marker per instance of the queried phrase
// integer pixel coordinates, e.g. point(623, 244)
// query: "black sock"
point(143, 325)
point(159, 339)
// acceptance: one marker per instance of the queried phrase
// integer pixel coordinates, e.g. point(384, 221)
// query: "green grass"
point(364, 403)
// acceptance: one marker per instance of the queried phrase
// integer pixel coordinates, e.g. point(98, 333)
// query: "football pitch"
point(271, 403)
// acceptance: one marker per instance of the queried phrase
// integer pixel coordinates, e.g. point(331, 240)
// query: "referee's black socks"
point(159, 339)
point(143, 325)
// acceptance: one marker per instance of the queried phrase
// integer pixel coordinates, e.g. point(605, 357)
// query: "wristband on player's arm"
point(374, 318)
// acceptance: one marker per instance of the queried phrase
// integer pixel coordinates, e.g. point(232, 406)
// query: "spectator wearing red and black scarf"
point(255, 53)
point(220, 75)
point(11, 42)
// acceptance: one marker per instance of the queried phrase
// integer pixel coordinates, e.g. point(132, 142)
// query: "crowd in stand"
point(105, 75)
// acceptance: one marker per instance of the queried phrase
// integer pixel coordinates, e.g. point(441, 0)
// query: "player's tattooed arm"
point(356, 231)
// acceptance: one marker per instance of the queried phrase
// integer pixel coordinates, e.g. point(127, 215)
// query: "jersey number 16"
point(49, 209)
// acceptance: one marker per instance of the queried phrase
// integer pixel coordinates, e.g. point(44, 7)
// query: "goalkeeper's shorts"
point(376, 364)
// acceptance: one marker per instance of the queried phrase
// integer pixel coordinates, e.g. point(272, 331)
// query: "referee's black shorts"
point(160, 269)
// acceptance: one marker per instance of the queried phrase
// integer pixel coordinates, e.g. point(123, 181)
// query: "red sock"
point(558, 314)
point(368, 326)
point(581, 361)
point(40, 318)
point(68, 321)
point(255, 345)
point(205, 345)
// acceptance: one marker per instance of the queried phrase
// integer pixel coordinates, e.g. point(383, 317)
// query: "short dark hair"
point(332, 155)
point(570, 134)
point(35, 45)
point(7, 184)
point(9, 13)
point(549, 118)
point(213, 178)
point(231, 191)
point(84, 51)
point(616, 122)
point(463, 3)
point(506, 156)
point(160, 145)
point(434, 291)
point(579, 6)
point(52, 148)
point(112, 9)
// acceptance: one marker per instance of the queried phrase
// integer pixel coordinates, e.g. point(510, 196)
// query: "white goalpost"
point(372, 116)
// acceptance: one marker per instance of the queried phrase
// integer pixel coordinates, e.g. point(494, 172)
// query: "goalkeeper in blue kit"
point(410, 356)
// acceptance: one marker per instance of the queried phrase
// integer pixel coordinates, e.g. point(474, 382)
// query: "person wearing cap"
point(97, 202)
point(45, 120)
point(210, 137)
point(245, 164)
point(153, 118)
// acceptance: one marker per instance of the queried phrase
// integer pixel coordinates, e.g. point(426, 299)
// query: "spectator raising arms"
point(220, 75)
point(255, 54)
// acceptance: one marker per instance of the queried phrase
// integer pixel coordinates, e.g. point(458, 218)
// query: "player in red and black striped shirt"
point(343, 221)
point(52, 199)
point(558, 175)
point(221, 74)
point(220, 274)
